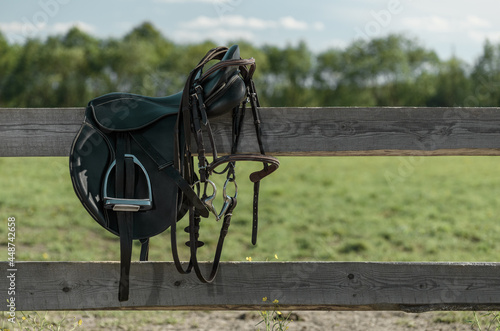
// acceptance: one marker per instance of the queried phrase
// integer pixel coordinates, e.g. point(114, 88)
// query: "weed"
point(274, 319)
point(36, 321)
point(486, 321)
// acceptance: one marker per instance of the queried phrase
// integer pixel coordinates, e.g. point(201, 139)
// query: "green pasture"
point(330, 208)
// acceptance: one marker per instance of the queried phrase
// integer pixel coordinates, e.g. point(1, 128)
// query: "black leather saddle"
point(133, 169)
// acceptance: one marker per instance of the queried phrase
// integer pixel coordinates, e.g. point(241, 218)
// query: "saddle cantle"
point(131, 162)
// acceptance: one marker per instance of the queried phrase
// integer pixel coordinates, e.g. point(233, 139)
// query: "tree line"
point(69, 70)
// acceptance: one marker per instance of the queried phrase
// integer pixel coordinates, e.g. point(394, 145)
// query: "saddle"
point(132, 162)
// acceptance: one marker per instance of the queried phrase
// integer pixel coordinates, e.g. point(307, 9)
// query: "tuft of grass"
point(37, 322)
point(485, 321)
point(274, 319)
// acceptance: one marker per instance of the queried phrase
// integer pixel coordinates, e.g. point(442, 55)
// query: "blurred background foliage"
point(69, 70)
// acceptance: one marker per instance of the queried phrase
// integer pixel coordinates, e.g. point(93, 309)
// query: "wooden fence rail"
point(409, 287)
point(293, 131)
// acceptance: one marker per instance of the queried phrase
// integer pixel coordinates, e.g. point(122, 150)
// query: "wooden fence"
point(412, 287)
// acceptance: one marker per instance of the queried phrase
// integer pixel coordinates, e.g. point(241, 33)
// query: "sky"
point(448, 27)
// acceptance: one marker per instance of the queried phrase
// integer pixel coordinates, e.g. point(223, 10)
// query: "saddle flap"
point(125, 111)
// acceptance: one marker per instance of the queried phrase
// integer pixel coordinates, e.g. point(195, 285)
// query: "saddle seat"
point(125, 111)
point(222, 90)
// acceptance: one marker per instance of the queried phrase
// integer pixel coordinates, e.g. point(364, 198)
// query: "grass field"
point(332, 209)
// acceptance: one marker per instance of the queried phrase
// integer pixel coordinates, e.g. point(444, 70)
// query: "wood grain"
point(293, 131)
point(411, 287)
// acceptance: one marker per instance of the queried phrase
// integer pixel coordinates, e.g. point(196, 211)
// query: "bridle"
point(192, 123)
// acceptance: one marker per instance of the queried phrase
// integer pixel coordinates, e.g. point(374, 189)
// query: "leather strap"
point(194, 243)
point(144, 249)
point(175, 252)
point(272, 164)
point(124, 185)
point(255, 222)
point(125, 226)
point(167, 167)
point(228, 63)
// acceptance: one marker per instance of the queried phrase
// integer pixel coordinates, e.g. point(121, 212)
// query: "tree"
point(379, 72)
point(288, 79)
point(485, 78)
point(136, 63)
point(453, 85)
point(336, 85)
point(25, 85)
point(8, 58)
point(71, 69)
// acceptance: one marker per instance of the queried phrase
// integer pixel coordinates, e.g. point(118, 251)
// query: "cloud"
point(64, 27)
point(193, 1)
point(217, 34)
point(429, 23)
point(12, 27)
point(18, 31)
point(476, 22)
point(231, 21)
point(481, 36)
point(442, 24)
point(318, 26)
point(237, 21)
point(293, 24)
point(472, 28)
point(235, 27)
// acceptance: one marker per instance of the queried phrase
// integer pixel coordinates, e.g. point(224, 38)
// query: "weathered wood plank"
point(411, 287)
point(38, 131)
point(293, 131)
